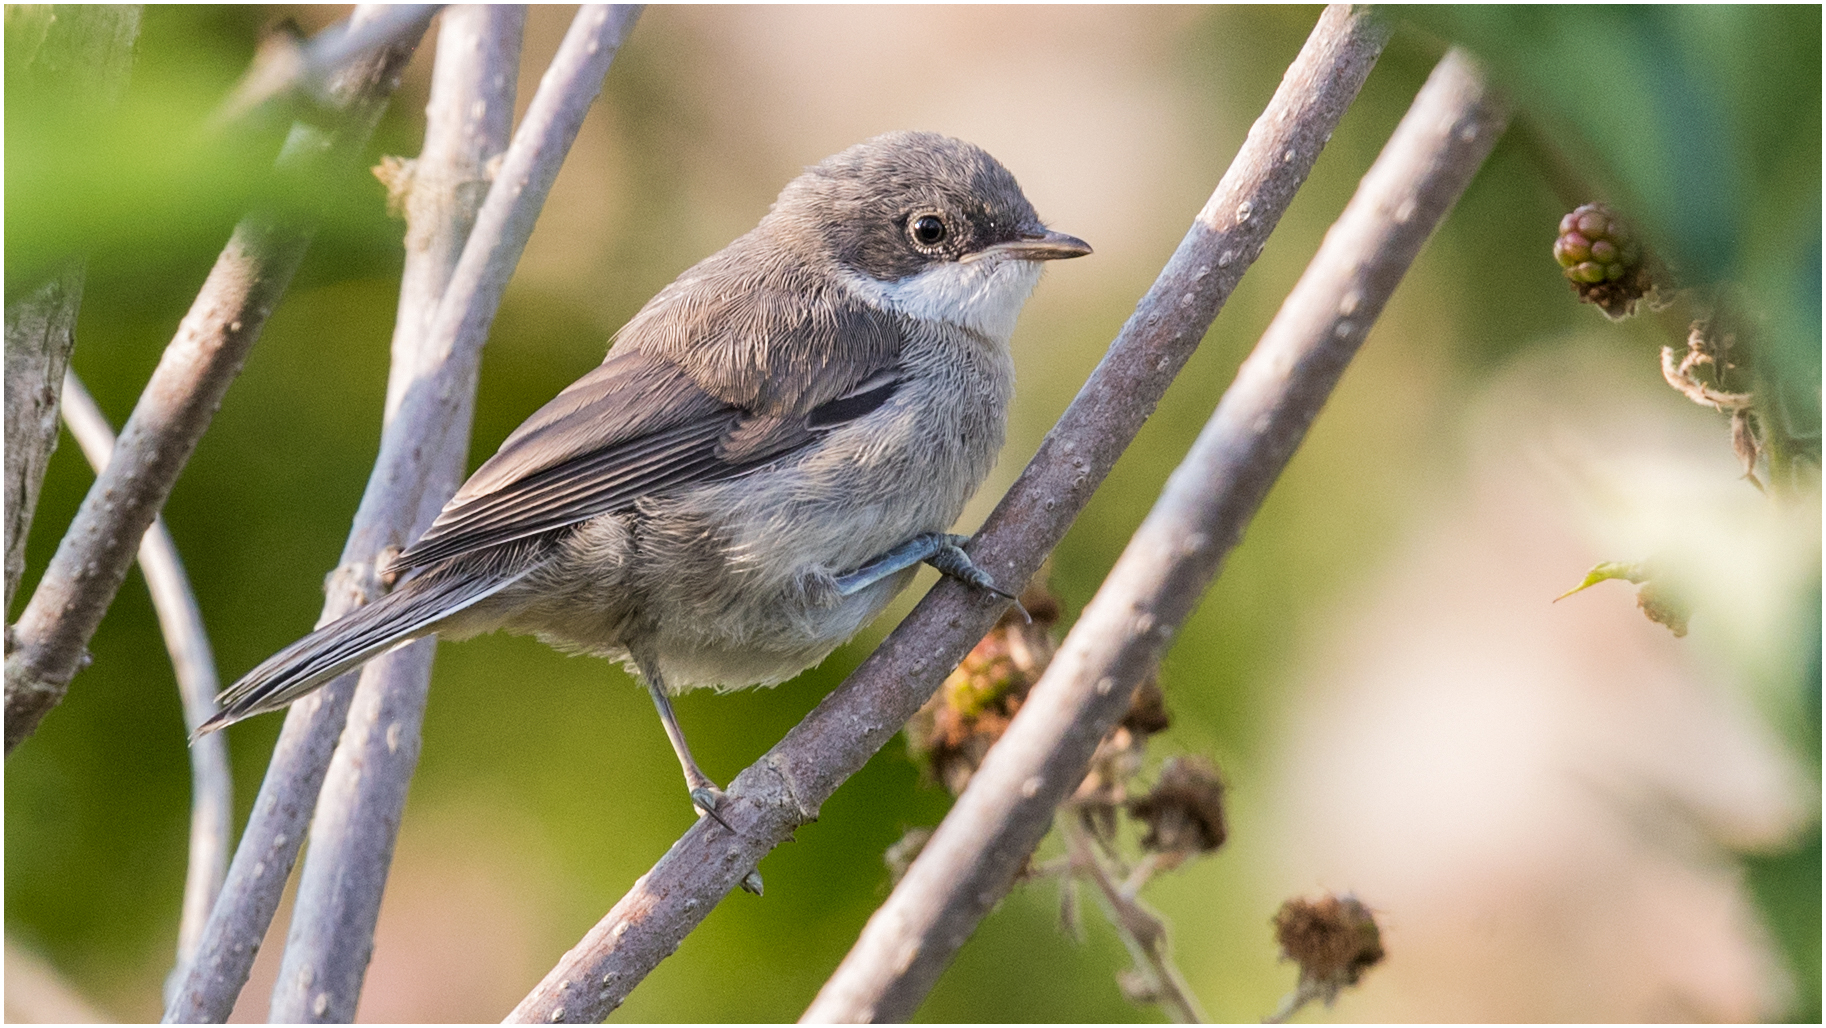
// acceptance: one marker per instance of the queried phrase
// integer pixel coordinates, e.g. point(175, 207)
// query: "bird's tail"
point(412, 610)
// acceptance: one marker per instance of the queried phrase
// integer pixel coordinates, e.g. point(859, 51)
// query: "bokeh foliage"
point(1704, 121)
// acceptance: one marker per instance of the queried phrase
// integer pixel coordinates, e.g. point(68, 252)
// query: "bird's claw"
point(708, 799)
point(951, 560)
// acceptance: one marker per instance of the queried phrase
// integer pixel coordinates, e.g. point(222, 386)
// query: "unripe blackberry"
point(1602, 259)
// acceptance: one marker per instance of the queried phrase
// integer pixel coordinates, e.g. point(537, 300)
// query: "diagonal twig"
point(181, 623)
point(467, 123)
point(1200, 516)
point(48, 644)
point(284, 65)
point(783, 790)
point(425, 419)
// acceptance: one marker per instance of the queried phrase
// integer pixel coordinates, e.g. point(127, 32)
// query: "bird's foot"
point(950, 559)
point(708, 799)
point(942, 550)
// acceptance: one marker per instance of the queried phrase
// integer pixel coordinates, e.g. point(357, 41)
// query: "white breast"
point(984, 296)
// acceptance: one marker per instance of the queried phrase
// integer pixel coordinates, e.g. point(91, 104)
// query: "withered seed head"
point(1148, 710)
point(1185, 810)
point(1334, 939)
point(951, 734)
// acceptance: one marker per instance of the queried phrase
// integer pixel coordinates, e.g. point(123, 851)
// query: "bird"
point(770, 448)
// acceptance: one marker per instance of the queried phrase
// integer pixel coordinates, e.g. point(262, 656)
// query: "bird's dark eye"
point(928, 230)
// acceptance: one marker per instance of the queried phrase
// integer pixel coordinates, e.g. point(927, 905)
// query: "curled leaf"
point(1628, 571)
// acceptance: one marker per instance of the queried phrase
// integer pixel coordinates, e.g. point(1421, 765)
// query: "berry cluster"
point(1594, 246)
point(1602, 259)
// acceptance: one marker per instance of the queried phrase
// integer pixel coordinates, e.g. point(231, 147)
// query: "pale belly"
point(731, 584)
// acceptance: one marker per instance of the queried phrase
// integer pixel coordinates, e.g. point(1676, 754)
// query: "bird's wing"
point(642, 423)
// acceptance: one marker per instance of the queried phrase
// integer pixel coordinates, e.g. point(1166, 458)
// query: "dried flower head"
point(1185, 811)
point(951, 734)
point(1334, 939)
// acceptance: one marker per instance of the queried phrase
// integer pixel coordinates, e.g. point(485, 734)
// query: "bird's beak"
point(1039, 245)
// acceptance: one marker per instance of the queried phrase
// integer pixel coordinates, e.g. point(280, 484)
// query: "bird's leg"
point(704, 793)
point(939, 549)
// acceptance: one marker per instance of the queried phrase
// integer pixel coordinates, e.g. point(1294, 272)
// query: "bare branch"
point(181, 622)
point(1200, 516)
point(51, 636)
point(284, 65)
point(77, 57)
point(468, 121)
point(430, 415)
point(784, 789)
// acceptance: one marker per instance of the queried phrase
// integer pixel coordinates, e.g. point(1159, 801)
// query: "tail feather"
point(355, 638)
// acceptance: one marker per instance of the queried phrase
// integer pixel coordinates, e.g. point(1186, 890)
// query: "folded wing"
point(643, 422)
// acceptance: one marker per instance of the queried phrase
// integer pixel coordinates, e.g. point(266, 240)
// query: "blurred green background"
point(545, 786)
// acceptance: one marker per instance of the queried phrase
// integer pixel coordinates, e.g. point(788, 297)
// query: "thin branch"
point(76, 60)
point(1200, 516)
point(283, 65)
point(429, 417)
point(468, 121)
point(181, 623)
point(784, 789)
point(50, 638)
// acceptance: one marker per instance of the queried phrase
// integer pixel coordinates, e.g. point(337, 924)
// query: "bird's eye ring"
point(927, 230)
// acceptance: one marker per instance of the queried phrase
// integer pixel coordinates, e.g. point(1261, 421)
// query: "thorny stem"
point(783, 790)
point(181, 622)
point(1303, 993)
point(50, 639)
point(1141, 930)
point(1200, 516)
point(468, 120)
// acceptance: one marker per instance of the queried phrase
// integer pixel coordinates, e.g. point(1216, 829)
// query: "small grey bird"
point(770, 448)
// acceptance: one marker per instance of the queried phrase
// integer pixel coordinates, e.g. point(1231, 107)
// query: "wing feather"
point(704, 384)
